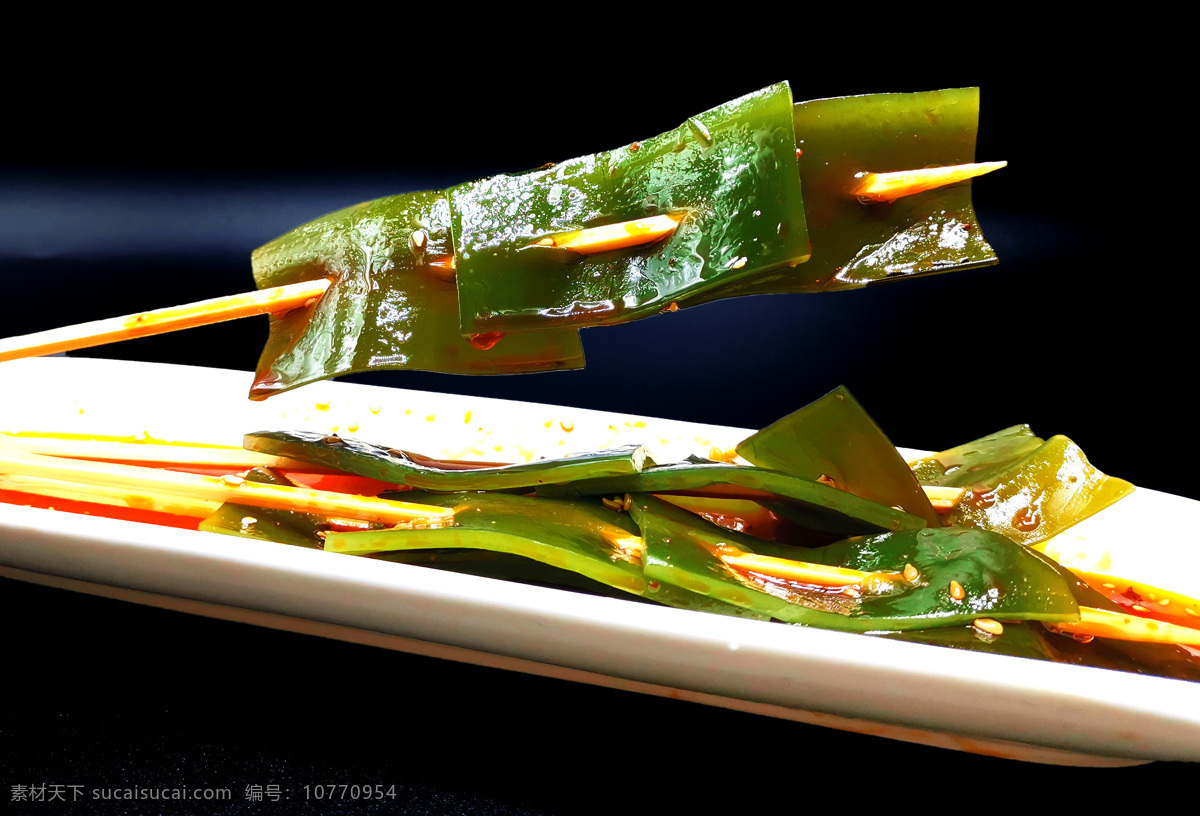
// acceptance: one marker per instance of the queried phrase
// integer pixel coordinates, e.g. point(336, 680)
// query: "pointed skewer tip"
point(887, 187)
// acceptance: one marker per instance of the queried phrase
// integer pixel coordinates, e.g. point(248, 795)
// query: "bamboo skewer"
point(1119, 626)
point(110, 496)
point(148, 453)
point(886, 187)
point(943, 499)
point(220, 489)
point(161, 321)
point(615, 236)
point(146, 500)
point(285, 298)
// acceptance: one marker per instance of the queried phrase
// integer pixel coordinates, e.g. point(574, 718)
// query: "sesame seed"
point(956, 591)
point(1164, 602)
point(233, 481)
point(989, 626)
point(418, 239)
point(911, 574)
point(625, 505)
point(1192, 612)
point(1138, 608)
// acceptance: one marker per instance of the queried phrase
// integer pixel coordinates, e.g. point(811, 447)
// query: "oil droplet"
point(374, 409)
point(352, 427)
point(431, 418)
point(567, 425)
point(408, 411)
point(1026, 519)
point(467, 418)
point(486, 340)
point(322, 406)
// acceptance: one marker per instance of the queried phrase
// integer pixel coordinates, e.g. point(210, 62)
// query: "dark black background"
point(140, 172)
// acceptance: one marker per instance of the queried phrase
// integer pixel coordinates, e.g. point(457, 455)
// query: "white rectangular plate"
point(1003, 706)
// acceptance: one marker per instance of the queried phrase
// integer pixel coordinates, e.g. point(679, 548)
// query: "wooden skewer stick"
point(135, 499)
point(801, 571)
point(615, 236)
point(114, 329)
point(285, 298)
point(180, 455)
point(885, 187)
point(943, 499)
point(1118, 626)
point(221, 489)
point(111, 496)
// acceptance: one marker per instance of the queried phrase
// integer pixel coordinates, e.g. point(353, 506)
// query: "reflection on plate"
point(968, 701)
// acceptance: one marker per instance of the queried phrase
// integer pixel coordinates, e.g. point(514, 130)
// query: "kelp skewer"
point(277, 300)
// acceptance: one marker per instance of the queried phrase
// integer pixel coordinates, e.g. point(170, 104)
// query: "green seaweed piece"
point(978, 462)
point(402, 467)
point(583, 537)
point(1039, 496)
point(1034, 641)
point(730, 172)
point(809, 504)
point(999, 578)
point(835, 438)
point(856, 244)
point(385, 308)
